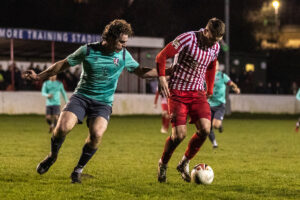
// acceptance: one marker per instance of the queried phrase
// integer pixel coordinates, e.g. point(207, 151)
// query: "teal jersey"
point(55, 88)
point(219, 94)
point(100, 72)
point(298, 95)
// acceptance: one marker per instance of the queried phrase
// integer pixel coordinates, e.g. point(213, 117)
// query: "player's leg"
point(165, 121)
point(218, 117)
point(97, 127)
point(211, 135)
point(98, 117)
point(200, 115)
point(178, 113)
point(297, 125)
point(66, 122)
point(73, 113)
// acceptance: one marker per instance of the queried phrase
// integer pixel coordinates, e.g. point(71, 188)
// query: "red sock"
point(170, 146)
point(194, 145)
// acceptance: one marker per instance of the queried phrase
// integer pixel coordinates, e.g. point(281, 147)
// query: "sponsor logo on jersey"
point(116, 61)
point(176, 43)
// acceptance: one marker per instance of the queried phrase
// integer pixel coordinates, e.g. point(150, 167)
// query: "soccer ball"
point(202, 174)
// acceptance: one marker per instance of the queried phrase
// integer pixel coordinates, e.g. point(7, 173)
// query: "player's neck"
point(106, 48)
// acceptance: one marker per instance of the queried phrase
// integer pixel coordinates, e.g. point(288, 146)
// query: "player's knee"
point(96, 138)
point(63, 129)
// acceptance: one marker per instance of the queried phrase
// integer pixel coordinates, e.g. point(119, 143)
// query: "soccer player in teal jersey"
point(217, 102)
point(52, 89)
point(103, 63)
point(298, 122)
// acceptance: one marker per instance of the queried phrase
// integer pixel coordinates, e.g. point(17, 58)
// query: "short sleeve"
point(130, 63)
point(78, 56)
point(226, 78)
point(182, 40)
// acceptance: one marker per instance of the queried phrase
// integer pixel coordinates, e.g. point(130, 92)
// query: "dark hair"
point(216, 26)
point(113, 30)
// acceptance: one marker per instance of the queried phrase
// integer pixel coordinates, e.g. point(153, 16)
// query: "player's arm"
point(168, 52)
point(210, 78)
point(145, 72)
point(64, 94)
point(51, 71)
point(44, 91)
point(234, 87)
point(156, 98)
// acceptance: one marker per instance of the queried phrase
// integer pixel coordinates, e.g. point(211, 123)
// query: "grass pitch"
point(257, 158)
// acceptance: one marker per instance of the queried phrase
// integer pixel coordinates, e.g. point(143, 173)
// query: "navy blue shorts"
point(218, 112)
point(52, 110)
point(83, 106)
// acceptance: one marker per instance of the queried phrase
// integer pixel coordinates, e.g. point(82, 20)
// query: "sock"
point(170, 146)
point(86, 155)
point(56, 144)
point(211, 135)
point(48, 121)
point(194, 145)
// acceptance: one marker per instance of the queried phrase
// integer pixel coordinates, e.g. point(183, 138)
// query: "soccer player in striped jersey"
point(52, 89)
point(217, 102)
point(103, 62)
point(195, 55)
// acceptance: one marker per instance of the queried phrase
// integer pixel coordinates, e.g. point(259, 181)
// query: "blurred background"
point(260, 51)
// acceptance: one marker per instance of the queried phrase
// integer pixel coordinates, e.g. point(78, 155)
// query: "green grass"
point(256, 159)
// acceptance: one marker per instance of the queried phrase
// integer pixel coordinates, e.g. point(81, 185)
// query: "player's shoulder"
point(96, 46)
point(216, 47)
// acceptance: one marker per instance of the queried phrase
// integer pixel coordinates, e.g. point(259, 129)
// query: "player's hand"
point(163, 86)
point(31, 75)
point(237, 90)
point(208, 95)
point(50, 96)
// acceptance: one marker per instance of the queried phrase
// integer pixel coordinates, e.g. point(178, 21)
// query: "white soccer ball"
point(202, 174)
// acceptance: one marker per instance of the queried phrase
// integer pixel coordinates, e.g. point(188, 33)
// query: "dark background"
point(160, 18)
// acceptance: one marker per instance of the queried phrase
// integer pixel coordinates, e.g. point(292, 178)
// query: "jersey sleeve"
point(130, 63)
point(182, 41)
point(78, 56)
point(226, 78)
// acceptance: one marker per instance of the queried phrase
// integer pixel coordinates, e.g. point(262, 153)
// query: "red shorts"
point(164, 107)
point(192, 103)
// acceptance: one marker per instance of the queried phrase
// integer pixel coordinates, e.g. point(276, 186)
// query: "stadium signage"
point(32, 34)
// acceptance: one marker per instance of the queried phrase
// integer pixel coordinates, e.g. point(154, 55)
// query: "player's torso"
point(219, 91)
point(101, 68)
point(52, 87)
point(191, 64)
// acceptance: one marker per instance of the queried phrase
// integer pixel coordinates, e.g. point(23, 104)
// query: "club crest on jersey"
point(116, 61)
point(176, 43)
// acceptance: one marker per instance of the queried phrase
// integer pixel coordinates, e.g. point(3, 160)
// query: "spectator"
point(278, 89)
point(269, 89)
point(293, 88)
point(260, 89)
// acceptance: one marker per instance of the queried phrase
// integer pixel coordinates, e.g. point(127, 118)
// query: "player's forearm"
point(210, 77)
point(168, 52)
point(53, 69)
point(146, 72)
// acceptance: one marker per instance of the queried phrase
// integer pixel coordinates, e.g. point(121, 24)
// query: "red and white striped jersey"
point(191, 62)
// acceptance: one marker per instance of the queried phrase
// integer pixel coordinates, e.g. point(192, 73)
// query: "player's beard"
point(205, 42)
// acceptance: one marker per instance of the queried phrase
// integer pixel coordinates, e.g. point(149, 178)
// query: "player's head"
point(116, 34)
point(214, 31)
